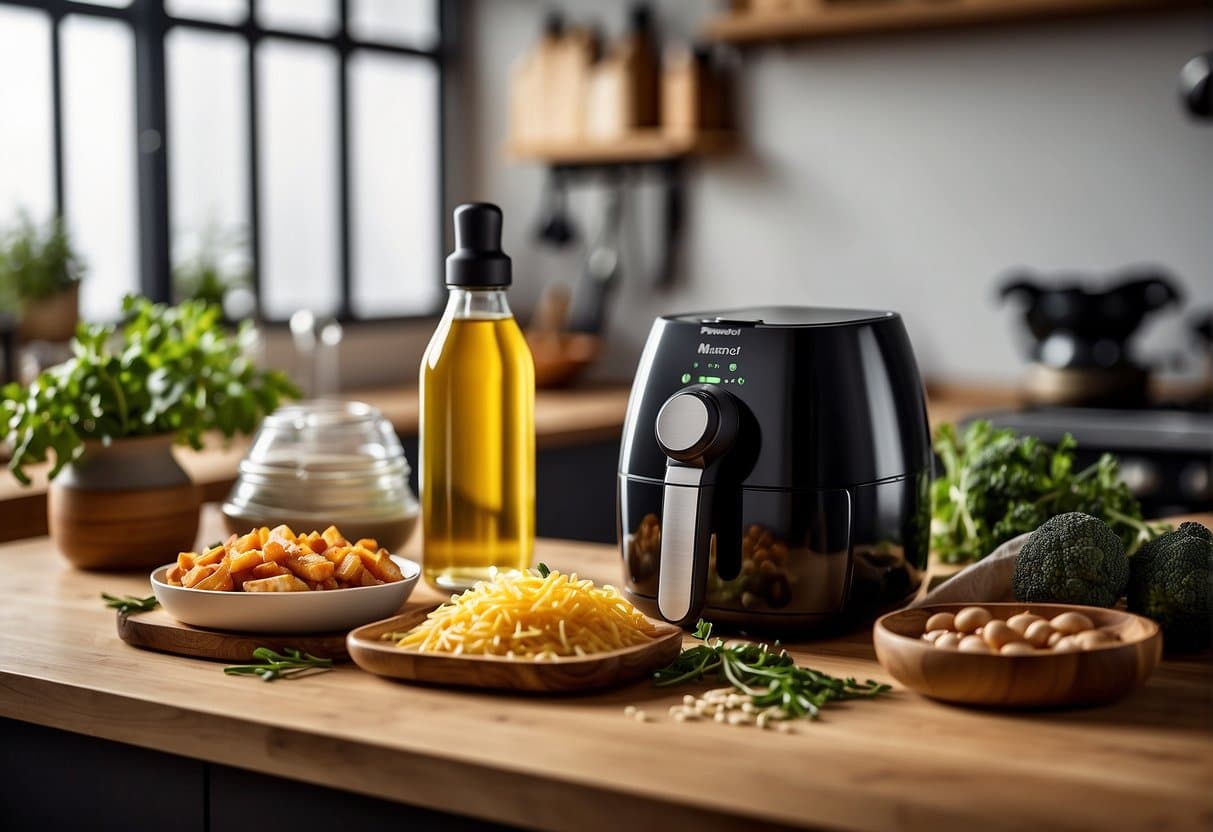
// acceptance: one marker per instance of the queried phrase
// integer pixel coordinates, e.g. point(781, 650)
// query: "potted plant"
point(110, 414)
point(217, 272)
point(40, 279)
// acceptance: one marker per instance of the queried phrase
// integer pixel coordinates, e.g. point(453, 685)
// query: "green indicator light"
point(686, 377)
point(732, 368)
point(695, 365)
point(741, 381)
point(709, 379)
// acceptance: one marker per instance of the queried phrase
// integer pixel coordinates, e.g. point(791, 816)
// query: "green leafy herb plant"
point(36, 262)
point(997, 485)
point(168, 370)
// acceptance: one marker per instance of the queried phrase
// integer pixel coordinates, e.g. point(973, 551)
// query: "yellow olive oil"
point(477, 424)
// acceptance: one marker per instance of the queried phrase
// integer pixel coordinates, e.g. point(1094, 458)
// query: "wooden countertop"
point(577, 763)
point(562, 418)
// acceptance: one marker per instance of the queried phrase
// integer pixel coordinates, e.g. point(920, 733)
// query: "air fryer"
point(775, 468)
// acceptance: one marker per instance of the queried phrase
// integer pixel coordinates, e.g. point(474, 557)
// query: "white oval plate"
point(318, 611)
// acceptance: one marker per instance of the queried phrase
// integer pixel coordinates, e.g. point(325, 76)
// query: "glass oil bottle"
point(477, 425)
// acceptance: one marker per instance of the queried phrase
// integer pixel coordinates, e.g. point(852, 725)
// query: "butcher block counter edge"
point(578, 763)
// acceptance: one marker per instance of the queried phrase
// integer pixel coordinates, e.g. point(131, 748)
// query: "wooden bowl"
point(560, 675)
point(561, 356)
point(1085, 677)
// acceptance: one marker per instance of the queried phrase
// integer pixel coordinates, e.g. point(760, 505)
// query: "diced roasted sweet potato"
point(238, 578)
point(175, 574)
point(317, 543)
point(269, 570)
point(263, 534)
point(311, 567)
point(186, 561)
point(210, 556)
point(282, 532)
point(248, 542)
point(277, 551)
point(350, 570)
point(219, 580)
point(197, 574)
point(380, 564)
point(367, 579)
point(278, 583)
point(368, 543)
point(245, 560)
point(333, 537)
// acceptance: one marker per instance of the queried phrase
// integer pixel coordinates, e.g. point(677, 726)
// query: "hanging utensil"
point(555, 225)
point(602, 269)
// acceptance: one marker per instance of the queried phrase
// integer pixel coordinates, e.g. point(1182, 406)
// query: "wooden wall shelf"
point(857, 16)
point(641, 146)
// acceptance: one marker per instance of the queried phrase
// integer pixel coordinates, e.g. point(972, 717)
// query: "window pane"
point(394, 169)
point(403, 22)
point(297, 155)
point(208, 151)
point(316, 17)
point(220, 11)
point(99, 158)
point(27, 166)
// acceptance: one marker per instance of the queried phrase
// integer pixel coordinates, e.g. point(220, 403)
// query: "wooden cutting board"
point(157, 630)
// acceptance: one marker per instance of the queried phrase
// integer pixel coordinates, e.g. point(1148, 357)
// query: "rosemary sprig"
point(771, 678)
point(279, 665)
point(127, 604)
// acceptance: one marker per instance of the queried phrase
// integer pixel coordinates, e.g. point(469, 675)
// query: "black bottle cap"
point(478, 259)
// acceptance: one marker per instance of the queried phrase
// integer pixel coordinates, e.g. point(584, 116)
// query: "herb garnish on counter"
point(127, 604)
point(273, 665)
point(997, 485)
point(771, 679)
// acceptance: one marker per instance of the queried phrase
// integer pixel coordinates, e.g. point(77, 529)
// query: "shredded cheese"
point(525, 616)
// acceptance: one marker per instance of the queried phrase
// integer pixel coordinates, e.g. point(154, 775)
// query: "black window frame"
point(150, 23)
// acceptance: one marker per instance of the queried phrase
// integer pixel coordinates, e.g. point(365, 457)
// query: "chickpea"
point(1071, 623)
point(970, 618)
point(1020, 623)
point(1040, 633)
point(1054, 637)
point(1093, 638)
point(941, 621)
point(948, 640)
point(931, 635)
point(973, 644)
point(998, 633)
point(1066, 644)
point(1017, 648)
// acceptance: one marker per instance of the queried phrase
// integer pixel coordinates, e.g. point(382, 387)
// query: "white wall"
point(904, 171)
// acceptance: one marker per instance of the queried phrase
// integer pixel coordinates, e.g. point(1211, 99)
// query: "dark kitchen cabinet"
point(52, 780)
point(575, 489)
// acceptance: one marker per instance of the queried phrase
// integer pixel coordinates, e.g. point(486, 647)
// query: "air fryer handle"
point(696, 428)
point(686, 541)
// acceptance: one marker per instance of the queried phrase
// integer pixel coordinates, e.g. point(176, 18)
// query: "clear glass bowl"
point(320, 463)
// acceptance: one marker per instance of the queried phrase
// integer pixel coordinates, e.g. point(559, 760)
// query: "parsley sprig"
point(272, 665)
point(771, 678)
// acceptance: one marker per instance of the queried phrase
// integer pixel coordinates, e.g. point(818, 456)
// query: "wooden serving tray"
point(560, 675)
point(157, 630)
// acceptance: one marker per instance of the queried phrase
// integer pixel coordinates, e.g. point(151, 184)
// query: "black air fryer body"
point(775, 468)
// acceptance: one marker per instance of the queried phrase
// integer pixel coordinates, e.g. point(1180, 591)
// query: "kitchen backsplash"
point(907, 171)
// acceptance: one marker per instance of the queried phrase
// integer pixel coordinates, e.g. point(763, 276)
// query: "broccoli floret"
point(1073, 558)
point(1171, 581)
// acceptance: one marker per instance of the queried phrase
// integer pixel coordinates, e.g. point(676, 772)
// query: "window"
point(299, 141)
